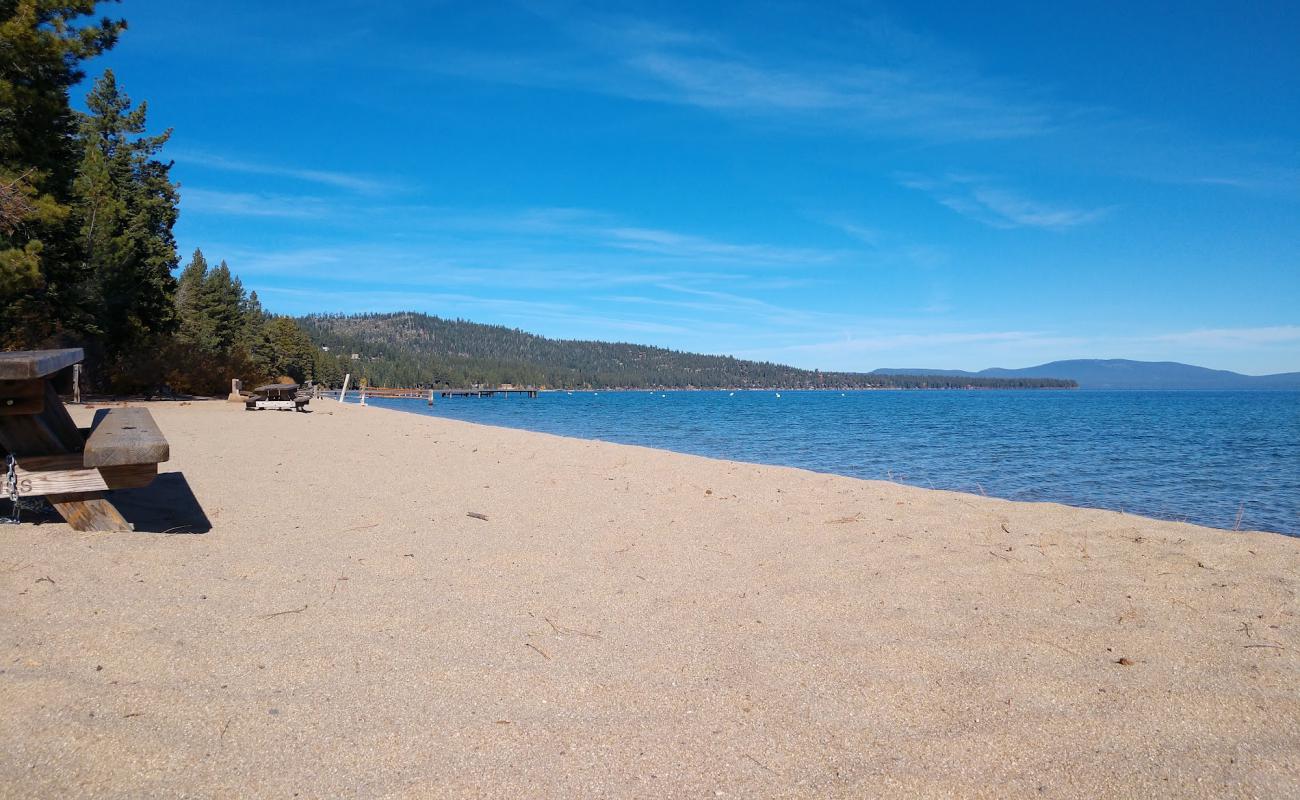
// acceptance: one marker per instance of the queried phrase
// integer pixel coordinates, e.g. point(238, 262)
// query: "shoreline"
point(626, 621)
point(664, 448)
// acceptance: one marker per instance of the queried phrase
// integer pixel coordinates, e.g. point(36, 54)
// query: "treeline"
point(87, 208)
point(411, 349)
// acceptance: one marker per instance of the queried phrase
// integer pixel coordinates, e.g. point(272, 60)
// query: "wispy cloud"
point(695, 247)
point(921, 94)
point(338, 180)
point(987, 202)
point(534, 312)
point(1234, 337)
point(597, 229)
point(248, 204)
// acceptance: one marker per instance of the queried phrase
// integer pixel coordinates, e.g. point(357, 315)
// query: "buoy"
point(778, 394)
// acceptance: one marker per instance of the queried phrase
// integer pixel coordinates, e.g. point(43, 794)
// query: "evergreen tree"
point(223, 304)
point(42, 46)
point(294, 354)
point(126, 205)
point(194, 328)
point(253, 336)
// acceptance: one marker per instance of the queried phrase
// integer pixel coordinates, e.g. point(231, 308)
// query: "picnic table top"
point(277, 387)
point(22, 365)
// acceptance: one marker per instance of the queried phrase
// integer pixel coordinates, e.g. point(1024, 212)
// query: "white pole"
point(344, 391)
point(363, 394)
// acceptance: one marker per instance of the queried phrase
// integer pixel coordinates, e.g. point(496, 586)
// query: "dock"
point(430, 393)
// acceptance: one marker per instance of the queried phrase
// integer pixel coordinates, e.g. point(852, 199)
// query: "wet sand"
point(307, 609)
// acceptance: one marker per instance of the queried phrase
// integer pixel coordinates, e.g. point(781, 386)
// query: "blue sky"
point(838, 186)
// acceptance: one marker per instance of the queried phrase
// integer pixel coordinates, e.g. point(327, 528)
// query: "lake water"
point(1198, 456)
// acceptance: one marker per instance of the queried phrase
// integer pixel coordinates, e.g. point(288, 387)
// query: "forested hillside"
point(410, 349)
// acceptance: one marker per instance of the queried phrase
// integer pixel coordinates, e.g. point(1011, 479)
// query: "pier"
point(429, 394)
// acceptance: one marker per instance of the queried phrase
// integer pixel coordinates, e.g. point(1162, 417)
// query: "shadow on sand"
point(165, 506)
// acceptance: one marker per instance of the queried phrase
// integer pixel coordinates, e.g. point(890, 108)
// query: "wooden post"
point(236, 389)
point(344, 391)
point(76, 383)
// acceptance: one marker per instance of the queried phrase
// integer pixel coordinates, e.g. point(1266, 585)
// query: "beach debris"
point(46, 579)
point(1124, 662)
point(1005, 529)
point(282, 613)
point(845, 520)
point(539, 650)
point(561, 629)
point(706, 491)
point(476, 515)
point(361, 527)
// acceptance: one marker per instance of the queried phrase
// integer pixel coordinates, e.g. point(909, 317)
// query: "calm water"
point(1198, 456)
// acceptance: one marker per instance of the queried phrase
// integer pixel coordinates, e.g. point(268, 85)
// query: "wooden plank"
point(22, 397)
point(64, 474)
point(29, 364)
point(53, 433)
point(89, 511)
point(126, 436)
point(50, 432)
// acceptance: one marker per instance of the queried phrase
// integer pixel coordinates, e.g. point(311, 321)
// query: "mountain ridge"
point(1123, 373)
point(416, 349)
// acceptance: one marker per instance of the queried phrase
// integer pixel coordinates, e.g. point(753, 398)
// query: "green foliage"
point(42, 46)
point(293, 354)
point(410, 350)
point(223, 333)
point(125, 205)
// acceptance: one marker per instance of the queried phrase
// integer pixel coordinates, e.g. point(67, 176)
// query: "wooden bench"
point(71, 468)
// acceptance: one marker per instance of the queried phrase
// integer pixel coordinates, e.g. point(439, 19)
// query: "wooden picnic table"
point(72, 468)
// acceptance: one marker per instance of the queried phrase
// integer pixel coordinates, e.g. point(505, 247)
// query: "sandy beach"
point(624, 623)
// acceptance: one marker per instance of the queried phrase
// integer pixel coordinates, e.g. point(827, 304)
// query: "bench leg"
point(88, 511)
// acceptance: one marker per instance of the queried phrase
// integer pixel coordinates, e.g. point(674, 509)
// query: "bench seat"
point(123, 436)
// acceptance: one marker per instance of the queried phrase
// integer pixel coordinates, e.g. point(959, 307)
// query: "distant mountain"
point(1120, 373)
point(410, 349)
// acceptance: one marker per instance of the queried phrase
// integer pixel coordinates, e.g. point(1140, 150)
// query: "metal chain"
point(16, 504)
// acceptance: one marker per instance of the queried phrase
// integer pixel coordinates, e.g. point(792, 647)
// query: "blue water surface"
point(1204, 457)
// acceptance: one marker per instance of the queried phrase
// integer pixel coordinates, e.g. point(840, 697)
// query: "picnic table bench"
point(72, 468)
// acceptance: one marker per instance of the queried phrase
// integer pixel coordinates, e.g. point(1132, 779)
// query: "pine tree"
point(125, 205)
point(42, 47)
point(223, 303)
point(294, 354)
point(194, 328)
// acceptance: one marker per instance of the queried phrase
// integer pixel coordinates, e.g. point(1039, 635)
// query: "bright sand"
point(625, 623)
